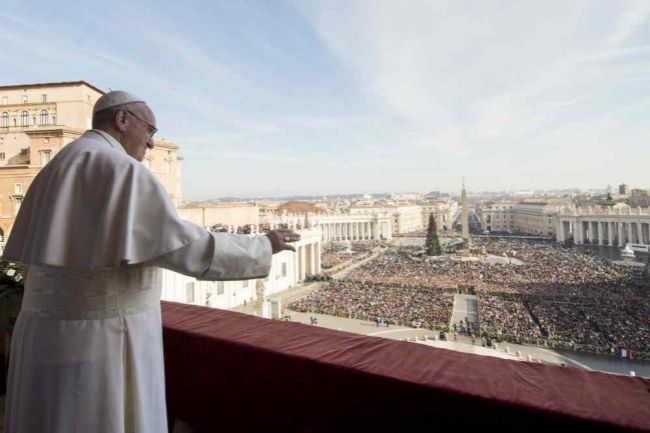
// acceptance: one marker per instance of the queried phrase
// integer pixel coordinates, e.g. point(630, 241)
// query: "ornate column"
point(312, 257)
point(303, 262)
point(621, 234)
point(296, 265)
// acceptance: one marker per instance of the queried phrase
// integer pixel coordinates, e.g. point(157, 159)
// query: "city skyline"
point(313, 98)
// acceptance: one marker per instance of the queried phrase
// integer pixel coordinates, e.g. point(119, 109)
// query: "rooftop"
point(53, 84)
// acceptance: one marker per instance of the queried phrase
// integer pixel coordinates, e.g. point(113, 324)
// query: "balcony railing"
point(228, 372)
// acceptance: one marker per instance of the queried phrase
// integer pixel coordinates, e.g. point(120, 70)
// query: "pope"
point(93, 232)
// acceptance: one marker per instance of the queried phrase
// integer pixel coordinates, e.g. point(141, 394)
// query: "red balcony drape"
point(229, 372)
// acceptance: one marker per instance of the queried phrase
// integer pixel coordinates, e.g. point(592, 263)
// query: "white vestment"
point(86, 353)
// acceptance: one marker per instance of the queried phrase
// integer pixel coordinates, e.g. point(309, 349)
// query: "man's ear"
point(121, 120)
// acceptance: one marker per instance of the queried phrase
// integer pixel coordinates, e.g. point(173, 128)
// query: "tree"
point(432, 243)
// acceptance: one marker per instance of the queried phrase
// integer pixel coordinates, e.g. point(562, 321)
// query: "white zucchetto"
point(113, 99)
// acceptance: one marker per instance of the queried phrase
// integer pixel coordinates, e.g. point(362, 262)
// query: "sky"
point(273, 97)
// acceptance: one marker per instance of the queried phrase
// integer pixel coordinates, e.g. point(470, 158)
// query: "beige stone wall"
point(238, 214)
point(193, 214)
point(409, 219)
point(165, 164)
point(536, 219)
point(443, 211)
point(13, 184)
point(498, 216)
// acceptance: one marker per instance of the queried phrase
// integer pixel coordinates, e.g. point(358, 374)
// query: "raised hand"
point(280, 239)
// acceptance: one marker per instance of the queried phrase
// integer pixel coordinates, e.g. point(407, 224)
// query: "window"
point(2, 156)
point(244, 284)
point(219, 287)
point(189, 292)
point(44, 117)
point(45, 156)
point(24, 99)
point(4, 120)
point(24, 118)
point(284, 269)
point(43, 98)
point(46, 140)
point(18, 201)
point(5, 100)
point(18, 188)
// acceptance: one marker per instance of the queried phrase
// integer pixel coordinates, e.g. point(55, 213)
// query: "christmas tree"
point(433, 244)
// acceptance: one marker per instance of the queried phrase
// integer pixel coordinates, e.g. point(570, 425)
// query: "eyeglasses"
point(152, 129)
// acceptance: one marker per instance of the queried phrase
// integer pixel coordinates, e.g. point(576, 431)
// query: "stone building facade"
point(538, 218)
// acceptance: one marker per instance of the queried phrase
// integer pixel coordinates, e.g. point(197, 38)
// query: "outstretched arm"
point(223, 256)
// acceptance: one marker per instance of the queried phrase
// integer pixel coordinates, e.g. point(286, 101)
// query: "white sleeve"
point(220, 256)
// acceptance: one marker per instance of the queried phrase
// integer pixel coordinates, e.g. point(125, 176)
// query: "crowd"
point(560, 295)
point(338, 253)
point(396, 305)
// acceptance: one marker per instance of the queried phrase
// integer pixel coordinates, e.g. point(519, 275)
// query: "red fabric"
point(229, 372)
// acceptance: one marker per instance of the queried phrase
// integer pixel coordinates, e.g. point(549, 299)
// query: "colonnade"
point(307, 260)
point(605, 231)
point(355, 230)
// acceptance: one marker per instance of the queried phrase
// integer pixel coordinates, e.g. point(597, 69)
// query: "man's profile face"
point(141, 125)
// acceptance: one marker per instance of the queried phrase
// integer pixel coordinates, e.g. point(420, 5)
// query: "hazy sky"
point(279, 97)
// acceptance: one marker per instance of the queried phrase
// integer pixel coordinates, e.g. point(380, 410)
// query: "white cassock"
point(93, 231)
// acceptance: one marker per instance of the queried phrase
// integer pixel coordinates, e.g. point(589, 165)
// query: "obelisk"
point(465, 216)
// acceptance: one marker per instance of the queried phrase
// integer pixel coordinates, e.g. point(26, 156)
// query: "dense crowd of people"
point(337, 253)
point(394, 304)
point(545, 293)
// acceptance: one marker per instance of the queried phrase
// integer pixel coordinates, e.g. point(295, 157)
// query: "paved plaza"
point(428, 337)
point(465, 307)
point(463, 344)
